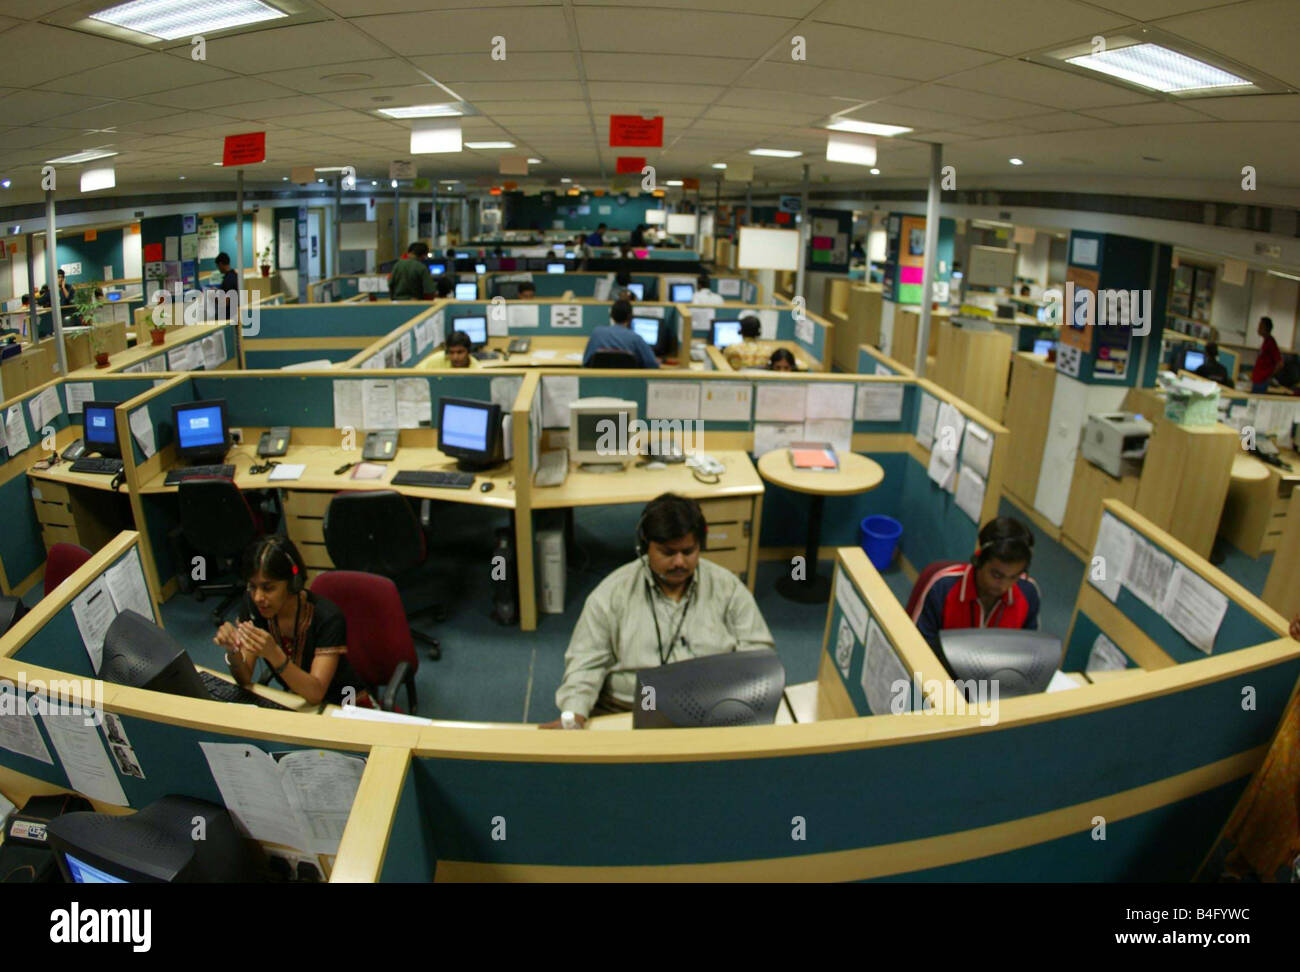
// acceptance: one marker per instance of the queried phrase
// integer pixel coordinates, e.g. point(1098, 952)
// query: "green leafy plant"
point(87, 303)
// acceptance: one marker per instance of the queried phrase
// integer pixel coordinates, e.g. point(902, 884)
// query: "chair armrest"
point(389, 698)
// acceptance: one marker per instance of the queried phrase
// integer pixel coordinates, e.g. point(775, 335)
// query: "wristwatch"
point(568, 720)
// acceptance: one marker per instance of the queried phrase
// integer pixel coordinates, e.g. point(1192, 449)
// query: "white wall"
point(1230, 310)
point(1032, 260)
point(131, 252)
point(1273, 297)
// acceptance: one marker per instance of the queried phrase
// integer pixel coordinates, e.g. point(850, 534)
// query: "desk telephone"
point(380, 446)
point(274, 441)
point(75, 451)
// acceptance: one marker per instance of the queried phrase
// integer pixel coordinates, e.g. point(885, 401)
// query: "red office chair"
point(217, 522)
point(923, 580)
point(62, 560)
point(380, 647)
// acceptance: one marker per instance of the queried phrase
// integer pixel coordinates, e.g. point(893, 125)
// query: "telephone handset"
point(274, 441)
point(75, 451)
point(380, 446)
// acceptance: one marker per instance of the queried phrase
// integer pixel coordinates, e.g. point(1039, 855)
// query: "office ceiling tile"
point(849, 49)
point(524, 29)
point(1044, 86)
point(674, 33)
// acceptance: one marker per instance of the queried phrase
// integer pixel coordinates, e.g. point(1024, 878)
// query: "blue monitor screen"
point(99, 426)
point(1043, 346)
point(568, 254)
point(638, 290)
point(555, 268)
point(114, 295)
point(647, 328)
point(725, 333)
point(682, 293)
point(83, 873)
point(474, 327)
point(199, 427)
point(467, 291)
point(437, 268)
point(480, 268)
point(464, 427)
point(1193, 360)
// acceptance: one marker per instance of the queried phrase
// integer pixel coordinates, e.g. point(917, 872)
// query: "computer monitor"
point(556, 268)
point(725, 333)
point(601, 434)
point(467, 291)
point(114, 296)
point(1043, 347)
point(647, 328)
point(469, 431)
point(474, 326)
point(637, 289)
point(201, 430)
point(681, 293)
point(1022, 662)
point(437, 268)
point(99, 429)
point(568, 254)
point(1044, 314)
point(1193, 360)
point(480, 268)
point(140, 654)
point(738, 688)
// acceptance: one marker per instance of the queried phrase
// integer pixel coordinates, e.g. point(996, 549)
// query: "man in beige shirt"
point(666, 606)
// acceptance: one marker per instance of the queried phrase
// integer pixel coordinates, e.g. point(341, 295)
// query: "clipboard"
point(814, 456)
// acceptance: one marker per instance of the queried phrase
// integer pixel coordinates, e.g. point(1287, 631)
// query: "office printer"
point(1116, 441)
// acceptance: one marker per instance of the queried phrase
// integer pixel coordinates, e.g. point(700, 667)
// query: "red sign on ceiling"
point(636, 131)
point(244, 149)
point(629, 163)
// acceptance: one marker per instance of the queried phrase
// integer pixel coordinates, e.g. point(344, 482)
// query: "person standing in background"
point(1269, 359)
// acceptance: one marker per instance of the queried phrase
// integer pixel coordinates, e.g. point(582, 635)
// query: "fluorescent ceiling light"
point(430, 136)
point(103, 177)
point(875, 172)
point(173, 19)
point(719, 165)
point(423, 111)
point(489, 145)
point(534, 161)
point(1158, 68)
point(89, 155)
point(866, 128)
point(776, 153)
point(1279, 273)
point(673, 182)
point(1016, 161)
point(566, 179)
point(850, 148)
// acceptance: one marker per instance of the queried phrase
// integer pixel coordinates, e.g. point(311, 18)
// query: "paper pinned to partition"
point(48, 404)
point(776, 435)
point(558, 393)
point(977, 448)
point(767, 321)
point(851, 603)
point(804, 329)
point(505, 391)
point(929, 413)
point(522, 315)
point(1105, 656)
point(378, 404)
point(566, 315)
point(729, 287)
point(948, 430)
point(142, 430)
point(126, 585)
point(781, 403)
point(1194, 607)
point(18, 730)
point(83, 756)
point(829, 400)
point(701, 318)
point(838, 432)
point(970, 492)
point(348, 413)
point(672, 400)
point(16, 437)
point(884, 677)
point(1147, 574)
point(879, 403)
point(1110, 556)
point(94, 611)
point(726, 401)
point(414, 404)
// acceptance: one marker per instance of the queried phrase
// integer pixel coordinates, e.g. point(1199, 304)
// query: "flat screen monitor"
point(474, 326)
point(637, 289)
point(1043, 347)
point(647, 328)
point(739, 688)
point(201, 430)
point(99, 429)
point(437, 268)
point(568, 254)
point(1193, 360)
point(467, 291)
point(725, 333)
point(480, 268)
point(469, 431)
point(682, 293)
point(1044, 314)
point(555, 268)
point(593, 430)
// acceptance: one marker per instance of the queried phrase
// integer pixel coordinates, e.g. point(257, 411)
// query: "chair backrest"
point(612, 358)
point(923, 580)
point(10, 350)
point(62, 560)
point(375, 531)
point(215, 517)
point(378, 634)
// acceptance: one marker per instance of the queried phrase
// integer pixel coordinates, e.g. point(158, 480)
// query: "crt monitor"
point(601, 432)
point(467, 291)
point(480, 268)
point(469, 431)
point(637, 289)
point(1043, 347)
point(682, 293)
point(201, 430)
point(555, 268)
point(99, 429)
point(738, 688)
point(437, 268)
point(725, 333)
point(140, 654)
point(1022, 662)
point(647, 328)
point(1193, 360)
point(474, 326)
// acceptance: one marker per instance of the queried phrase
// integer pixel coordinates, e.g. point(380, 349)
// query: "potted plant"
point(88, 299)
point(159, 313)
point(264, 260)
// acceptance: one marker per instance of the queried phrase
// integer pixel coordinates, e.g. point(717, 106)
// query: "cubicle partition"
point(298, 333)
point(580, 283)
point(197, 347)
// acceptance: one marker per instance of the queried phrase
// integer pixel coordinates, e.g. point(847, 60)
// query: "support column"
point(52, 281)
point(33, 309)
point(338, 221)
point(239, 228)
point(397, 205)
point(930, 274)
point(803, 237)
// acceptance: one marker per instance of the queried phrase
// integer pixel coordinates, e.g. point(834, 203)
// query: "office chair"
point(613, 358)
point(923, 579)
point(62, 560)
point(380, 648)
point(218, 523)
point(377, 532)
point(10, 350)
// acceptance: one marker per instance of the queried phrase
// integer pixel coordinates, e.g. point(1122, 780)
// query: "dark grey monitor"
point(1022, 662)
point(739, 688)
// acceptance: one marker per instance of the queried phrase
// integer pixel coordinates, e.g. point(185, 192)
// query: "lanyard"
point(654, 614)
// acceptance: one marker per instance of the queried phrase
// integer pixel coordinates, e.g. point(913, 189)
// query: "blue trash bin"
point(879, 536)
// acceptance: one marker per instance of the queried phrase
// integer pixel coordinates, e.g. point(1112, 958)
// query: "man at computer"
point(456, 354)
point(703, 295)
point(1212, 368)
point(750, 351)
point(619, 336)
point(666, 606)
point(994, 590)
point(526, 291)
point(410, 278)
point(598, 237)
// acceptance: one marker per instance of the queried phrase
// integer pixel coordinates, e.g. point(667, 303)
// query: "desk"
point(558, 346)
point(79, 508)
point(857, 474)
point(1255, 512)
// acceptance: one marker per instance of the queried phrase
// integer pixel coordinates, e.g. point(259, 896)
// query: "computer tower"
point(550, 568)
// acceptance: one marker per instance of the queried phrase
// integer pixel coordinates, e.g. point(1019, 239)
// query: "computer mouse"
point(487, 487)
point(656, 465)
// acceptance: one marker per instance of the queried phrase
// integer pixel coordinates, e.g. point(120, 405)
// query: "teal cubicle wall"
point(555, 284)
point(309, 322)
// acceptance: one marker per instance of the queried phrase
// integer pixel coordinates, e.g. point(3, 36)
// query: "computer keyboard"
point(174, 476)
point(444, 480)
point(486, 355)
point(93, 464)
point(223, 691)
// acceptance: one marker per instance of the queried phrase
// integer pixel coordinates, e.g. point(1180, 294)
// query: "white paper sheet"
point(643, 310)
point(522, 315)
point(879, 403)
point(81, 751)
point(347, 404)
point(377, 715)
point(558, 392)
point(322, 785)
point(127, 586)
point(844, 645)
point(1105, 656)
point(566, 315)
point(505, 391)
point(672, 400)
point(948, 429)
point(883, 370)
point(498, 320)
point(423, 336)
point(726, 401)
point(1114, 547)
point(18, 730)
point(1061, 682)
point(546, 354)
point(882, 671)
point(78, 393)
point(929, 413)
point(827, 400)
point(780, 403)
point(970, 492)
point(142, 430)
point(94, 611)
point(251, 789)
point(767, 321)
point(603, 286)
point(1195, 608)
point(573, 356)
point(701, 319)
point(977, 448)
point(50, 409)
point(437, 322)
point(838, 432)
point(729, 287)
point(379, 404)
point(414, 404)
point(16, 437)
point(804, 329)
point(775, 435)
point(1147, 574)
point(213, 350)
point(287, 471)
point(406, 348)
point(851, 603)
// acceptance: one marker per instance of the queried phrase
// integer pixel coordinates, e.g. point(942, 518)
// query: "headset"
point(298, 570)
point(1002, 532)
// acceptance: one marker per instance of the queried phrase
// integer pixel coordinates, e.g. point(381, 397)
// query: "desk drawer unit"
point(730, 522)
point(54, 512)
point(304, 516)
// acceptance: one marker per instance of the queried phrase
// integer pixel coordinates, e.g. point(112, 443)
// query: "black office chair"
point(377, 531)
point(217, 523)
point(613, 358)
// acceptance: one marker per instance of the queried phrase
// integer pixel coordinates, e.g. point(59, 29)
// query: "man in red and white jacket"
point(993, 591)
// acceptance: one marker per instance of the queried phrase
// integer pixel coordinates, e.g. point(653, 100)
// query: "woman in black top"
point(301, 636)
